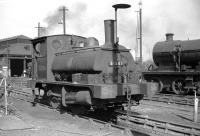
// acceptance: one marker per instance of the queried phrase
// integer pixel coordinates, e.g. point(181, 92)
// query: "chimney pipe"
point(109, 32)
point(169, 36)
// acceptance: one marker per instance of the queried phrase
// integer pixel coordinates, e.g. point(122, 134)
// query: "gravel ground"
point(167, 112)
point(43, 121)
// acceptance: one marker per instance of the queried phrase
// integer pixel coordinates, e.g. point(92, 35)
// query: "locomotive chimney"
point(109, 32)
point(169, 36)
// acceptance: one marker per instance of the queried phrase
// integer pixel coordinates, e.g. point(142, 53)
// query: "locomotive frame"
point(176, 82)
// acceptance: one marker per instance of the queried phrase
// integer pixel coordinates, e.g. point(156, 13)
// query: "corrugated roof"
point(15, 37)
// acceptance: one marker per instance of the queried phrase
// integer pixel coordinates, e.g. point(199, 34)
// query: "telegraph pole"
point(64, 9)
point(39, 28)
point(140, 17)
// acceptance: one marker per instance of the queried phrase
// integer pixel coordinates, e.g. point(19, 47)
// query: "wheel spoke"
point(178, 86)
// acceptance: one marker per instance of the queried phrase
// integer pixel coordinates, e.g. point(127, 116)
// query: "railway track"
point(156, 126)
point(20, 94)
point(128, 124)
point(173, 99)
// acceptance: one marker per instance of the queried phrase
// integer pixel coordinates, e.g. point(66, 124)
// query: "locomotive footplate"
point(119, 100)
point(149, 73)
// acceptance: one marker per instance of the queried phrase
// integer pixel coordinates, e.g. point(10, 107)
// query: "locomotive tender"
point(74, 70)
point(178, 65)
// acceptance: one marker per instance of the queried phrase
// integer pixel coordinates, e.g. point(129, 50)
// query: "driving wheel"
point(178, 86)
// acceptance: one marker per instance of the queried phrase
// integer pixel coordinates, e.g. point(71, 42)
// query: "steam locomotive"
point(177, 65)
point(74, 70)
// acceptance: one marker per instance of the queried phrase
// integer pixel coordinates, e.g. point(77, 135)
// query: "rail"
point(26, 96)
point(173, 99)
point(158, 126)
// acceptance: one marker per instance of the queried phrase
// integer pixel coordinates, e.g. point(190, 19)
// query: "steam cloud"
point(52, 21)
point(74, 16)
point(180, 17)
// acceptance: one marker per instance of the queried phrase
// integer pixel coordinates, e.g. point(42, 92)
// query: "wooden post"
point(5, 75)
point(196, 101)
point(64, 9)
point(39, 29)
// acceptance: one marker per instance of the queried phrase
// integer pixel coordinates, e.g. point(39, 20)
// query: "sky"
point(86, 18)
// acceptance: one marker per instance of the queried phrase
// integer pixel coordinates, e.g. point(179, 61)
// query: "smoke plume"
point(180, 17)
point(52, 21)
point(75, 16)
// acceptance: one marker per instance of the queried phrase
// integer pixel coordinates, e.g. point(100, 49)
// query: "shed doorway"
point(16, 67)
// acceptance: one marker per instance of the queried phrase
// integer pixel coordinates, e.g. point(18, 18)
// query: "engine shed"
point(15, 52)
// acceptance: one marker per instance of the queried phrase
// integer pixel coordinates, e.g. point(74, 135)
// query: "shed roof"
point(15, 37)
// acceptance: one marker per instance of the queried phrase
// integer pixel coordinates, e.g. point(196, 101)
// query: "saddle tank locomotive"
point(74, 70)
